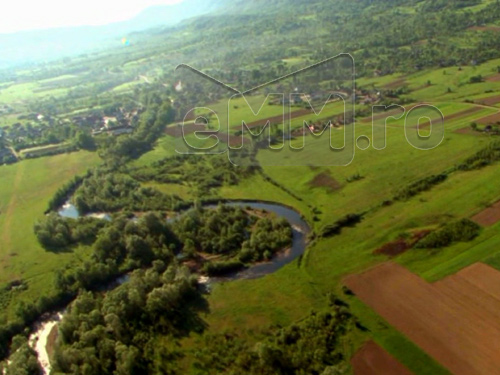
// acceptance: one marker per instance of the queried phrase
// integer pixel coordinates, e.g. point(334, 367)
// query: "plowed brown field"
point(490, 100)
point(491, 119)
point(391, 113)
point(494, 78)
point(395, 84)
point(371, 359)
point(279, 118)
point(489, 216)
point(456, 321)
point(451, 117)
point(177, 131)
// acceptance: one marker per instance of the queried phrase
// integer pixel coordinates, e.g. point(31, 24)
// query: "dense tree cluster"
point(119, 246)
point(349, 220)
point(420, 186)
point(202, 173)
point(215, 231)
point(63, 193)
point(267, 236)
point(28, 135)
point(24, 361)
point(483, 158)
point(55, 232)
point(122, 245)
point(236, 236)
point(132, 329)
point(437, 5)
point(463, 230)
point(157, 114)
point(106, 191)
point(313, 346)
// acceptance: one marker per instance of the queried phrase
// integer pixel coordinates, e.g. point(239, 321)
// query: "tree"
point(138, 249)
point(476, 79)
point(85, 141)
point(24, 362)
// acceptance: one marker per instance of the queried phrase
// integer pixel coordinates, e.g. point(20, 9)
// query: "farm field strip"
point(491, 119)
point(489, 216)
point(371, 359)
point(436, 317)
point(490, 100)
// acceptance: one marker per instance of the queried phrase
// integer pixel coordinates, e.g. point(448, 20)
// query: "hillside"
point(38, 46)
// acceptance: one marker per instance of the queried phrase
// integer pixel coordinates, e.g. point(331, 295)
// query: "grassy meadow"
point(25, 191)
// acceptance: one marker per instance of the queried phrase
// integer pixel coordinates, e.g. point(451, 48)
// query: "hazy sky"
point(17, 15)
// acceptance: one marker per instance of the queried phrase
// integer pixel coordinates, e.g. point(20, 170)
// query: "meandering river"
point(300, 231)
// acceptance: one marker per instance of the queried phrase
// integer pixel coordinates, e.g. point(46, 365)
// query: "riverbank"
point(39, 340)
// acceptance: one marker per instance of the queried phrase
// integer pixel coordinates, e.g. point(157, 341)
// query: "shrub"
point(485, 157)
point(420, 186)
point(463, 230)
point(334, 229)
point(476, 79)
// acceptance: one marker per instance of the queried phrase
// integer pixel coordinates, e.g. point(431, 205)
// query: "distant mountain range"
point(27, 47)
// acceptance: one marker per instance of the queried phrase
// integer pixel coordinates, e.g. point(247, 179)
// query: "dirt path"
point(13, 150)
point(455, 321)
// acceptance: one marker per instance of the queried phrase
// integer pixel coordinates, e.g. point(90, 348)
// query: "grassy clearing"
point(8, 120)
point(457, 79)
point(244, 108)
point(259, 189)
point(466, 194)
point(126, 87)
point(164, 148)
point(24, 193)
point(180, 190)
point(383, 172)
point(24, 91)
point(59, 78)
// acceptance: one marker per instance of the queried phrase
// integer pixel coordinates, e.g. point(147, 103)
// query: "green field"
point(24, 194)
